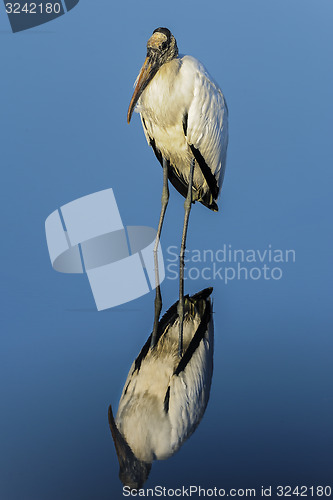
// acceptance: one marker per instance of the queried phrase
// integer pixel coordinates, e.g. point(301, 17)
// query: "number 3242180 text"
point(33, 8)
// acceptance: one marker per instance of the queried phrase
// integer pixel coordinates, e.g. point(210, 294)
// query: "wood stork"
point(164, 397)
point(185, 120)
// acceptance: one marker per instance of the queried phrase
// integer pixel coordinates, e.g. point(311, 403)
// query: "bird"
point(164, 398)
point(184, 116)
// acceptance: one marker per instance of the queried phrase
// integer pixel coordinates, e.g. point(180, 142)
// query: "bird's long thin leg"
point(187, 206)
point(158, 296)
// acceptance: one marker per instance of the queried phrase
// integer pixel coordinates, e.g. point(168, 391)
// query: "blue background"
point(64, 92)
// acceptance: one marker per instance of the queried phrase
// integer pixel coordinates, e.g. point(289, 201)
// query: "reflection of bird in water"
point(164, 397)
point(185, 120)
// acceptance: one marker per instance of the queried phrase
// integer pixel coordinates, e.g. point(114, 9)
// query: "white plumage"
point(182, 94)
point(184, 117)
point(164, 397)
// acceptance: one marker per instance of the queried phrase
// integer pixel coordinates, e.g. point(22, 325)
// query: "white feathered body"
point(152, 432)
point(183, 88)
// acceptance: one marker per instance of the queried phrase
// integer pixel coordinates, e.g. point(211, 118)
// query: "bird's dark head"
point(161, 48)
point(134, 473)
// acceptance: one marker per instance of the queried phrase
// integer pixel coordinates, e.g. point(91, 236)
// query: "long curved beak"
point(132, 471)
point(147, 72)
point(119, 442)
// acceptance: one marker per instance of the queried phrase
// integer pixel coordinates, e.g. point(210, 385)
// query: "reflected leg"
point(158, 296)
point(187, 206)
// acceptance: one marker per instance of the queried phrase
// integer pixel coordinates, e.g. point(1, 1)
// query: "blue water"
point(64, 93)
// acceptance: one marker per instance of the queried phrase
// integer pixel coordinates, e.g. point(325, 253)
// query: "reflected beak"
point(132, 471)
point(119, 442)
point(147, 73)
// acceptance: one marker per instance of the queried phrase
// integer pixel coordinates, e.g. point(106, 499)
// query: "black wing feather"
point(195, 342)
point(178, 181)
point(206, 172)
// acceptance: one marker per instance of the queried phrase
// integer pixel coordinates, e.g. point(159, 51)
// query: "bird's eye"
point(164, 45)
